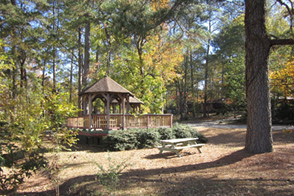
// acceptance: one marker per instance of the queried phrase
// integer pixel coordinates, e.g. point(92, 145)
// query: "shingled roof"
point(132, 100)
point(106, 85)
point(135, 100)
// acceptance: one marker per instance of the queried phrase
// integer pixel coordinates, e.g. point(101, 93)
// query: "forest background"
point(170, 56)
point(173, 55)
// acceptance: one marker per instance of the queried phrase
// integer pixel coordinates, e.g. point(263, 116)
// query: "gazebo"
point(113, 95)
point(107, 90)
point(134, 103)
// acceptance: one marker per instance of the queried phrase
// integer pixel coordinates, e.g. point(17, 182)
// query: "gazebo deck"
point(99, 122)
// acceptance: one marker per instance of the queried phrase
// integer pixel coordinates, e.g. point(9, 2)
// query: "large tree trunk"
point(257, 45)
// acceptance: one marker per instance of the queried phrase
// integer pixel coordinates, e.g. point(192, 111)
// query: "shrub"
point(184, 131)
point(109, 176)
point(166, 133)
point(201, 138)
point(147, 138)
point(121, 140)
point(181, 131)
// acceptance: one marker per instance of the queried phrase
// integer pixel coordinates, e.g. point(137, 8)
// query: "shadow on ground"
point(73, 186)
point(170, 181)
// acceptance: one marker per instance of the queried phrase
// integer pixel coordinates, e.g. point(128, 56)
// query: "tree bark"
point(185, 87)
point(80, 106)
point(87, 54)
point(206, 81)
point(23, 72)
point(108, 50)
point(54, 53)
point(43, 75)
point(71, 77)
point(257, 45)
point(205, 114)
point(192, 82)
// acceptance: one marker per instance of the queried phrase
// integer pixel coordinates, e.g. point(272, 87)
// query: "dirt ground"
point(223, 168)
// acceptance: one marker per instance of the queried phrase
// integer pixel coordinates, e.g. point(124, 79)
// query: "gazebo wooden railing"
point(99, 121)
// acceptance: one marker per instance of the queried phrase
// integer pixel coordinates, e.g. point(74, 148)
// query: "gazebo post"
point(84, 104)
point(90, 110)
point(120, 107)
point(123, 111)
point(127, 108)
point(108, 109)
point(108, 98)
point(114, 108)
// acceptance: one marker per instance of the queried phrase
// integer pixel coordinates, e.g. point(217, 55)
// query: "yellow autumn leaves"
point(162, 56)
point(282, 80)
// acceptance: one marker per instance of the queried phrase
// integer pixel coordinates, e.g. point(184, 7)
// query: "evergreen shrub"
point(166, 133)
point(121, 140)
point(181, 131)
point(147, 138)
point(185, 131)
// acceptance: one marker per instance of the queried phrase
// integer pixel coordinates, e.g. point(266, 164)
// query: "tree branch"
point(275, 42)
point(167, 15)
point(290, 11)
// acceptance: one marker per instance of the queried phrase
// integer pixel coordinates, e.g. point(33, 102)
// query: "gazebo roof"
point(106, 85)
point(132, 100)
point(135, 100)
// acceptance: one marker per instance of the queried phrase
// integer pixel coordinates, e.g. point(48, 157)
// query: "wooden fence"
point(99, 121)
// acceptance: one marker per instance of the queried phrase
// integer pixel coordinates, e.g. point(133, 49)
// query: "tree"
point(257, 45)
point(230, 53)
point(28, 106)
point(143, 62)
point(19, 36)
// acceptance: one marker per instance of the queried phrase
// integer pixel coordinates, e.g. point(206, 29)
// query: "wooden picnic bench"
point(177, 145)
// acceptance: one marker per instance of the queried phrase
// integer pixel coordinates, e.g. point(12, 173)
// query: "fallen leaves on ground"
point(223, 168)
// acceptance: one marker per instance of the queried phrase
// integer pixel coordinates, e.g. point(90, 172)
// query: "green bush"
point(109, 176)
point(166, 133)
point(201, 138)
point(148, 138)
point(181, 131)
point(121, 140)
point(185, 131)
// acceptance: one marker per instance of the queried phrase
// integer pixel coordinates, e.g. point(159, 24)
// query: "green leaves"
point(109, 176)
point(5, 64)
point(28, 116)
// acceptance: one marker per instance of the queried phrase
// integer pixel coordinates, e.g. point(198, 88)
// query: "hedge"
point(147, 138)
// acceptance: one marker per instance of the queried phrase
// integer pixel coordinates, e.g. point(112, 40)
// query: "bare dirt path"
point(223, 124)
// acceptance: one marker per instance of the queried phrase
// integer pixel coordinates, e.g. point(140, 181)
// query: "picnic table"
point(177, 145)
